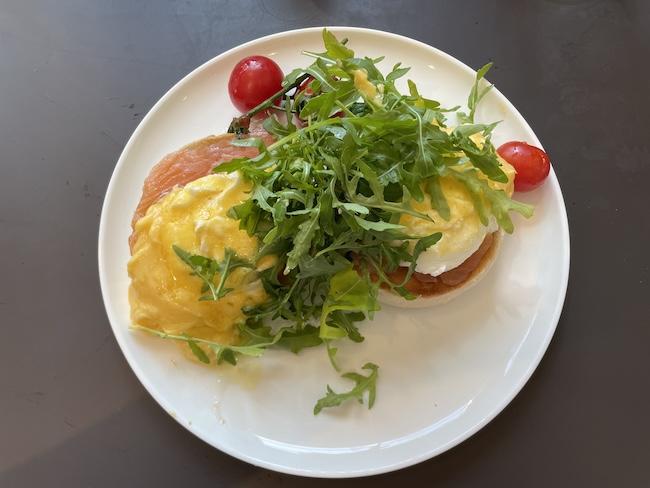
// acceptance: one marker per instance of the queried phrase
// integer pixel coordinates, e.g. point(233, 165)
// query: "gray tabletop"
point(77, 77)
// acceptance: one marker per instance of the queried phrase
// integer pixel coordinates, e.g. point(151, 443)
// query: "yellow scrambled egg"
point(163, 295)
point(361, 83)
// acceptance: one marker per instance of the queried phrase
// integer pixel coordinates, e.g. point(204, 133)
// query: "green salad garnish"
point(327, 198)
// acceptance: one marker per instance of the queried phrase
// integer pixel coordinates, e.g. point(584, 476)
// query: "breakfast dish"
point(345, 193)
point(456, 360)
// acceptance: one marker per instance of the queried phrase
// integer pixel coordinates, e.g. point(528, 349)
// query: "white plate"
point(444, 373)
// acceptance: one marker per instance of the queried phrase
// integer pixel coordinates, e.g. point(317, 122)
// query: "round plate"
point(444, 372)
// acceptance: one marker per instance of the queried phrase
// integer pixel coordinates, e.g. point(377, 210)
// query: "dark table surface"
point(77, 77)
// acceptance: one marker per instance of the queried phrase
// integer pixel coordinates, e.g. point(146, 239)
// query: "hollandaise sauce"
point(462, 232)
point(163, 294)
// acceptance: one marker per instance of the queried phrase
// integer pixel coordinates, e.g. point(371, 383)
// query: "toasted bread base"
point(423, 301)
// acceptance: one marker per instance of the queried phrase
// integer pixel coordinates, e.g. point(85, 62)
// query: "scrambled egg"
point(361, 83)
point(163, 295)
point(463, 233)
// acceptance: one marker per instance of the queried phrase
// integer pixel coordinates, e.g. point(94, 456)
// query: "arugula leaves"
point(254, 346)
point(327, 197)
point(362, 385)
point(206, 269)
point(475, 95)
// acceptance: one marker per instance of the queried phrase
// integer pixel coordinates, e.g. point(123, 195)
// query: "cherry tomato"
point(253, 80)
point(305, 88)
point(530, 162)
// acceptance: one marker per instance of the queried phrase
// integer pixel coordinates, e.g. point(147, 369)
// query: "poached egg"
point(463, 233)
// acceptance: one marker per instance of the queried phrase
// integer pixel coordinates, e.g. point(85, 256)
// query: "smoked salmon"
point(190, 163)
point(421, 284)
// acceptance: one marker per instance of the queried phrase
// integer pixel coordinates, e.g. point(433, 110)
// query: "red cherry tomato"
point(253, 80)
point(305, 88)
point(530, 162)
